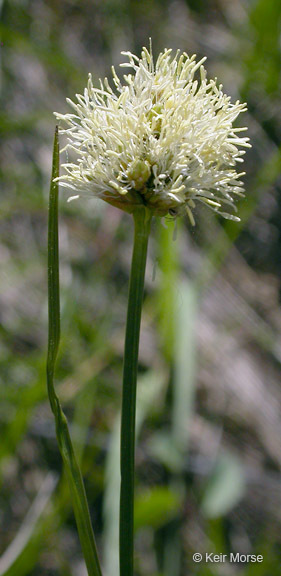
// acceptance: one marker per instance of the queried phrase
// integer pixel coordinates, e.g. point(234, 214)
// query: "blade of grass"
point(74, 475)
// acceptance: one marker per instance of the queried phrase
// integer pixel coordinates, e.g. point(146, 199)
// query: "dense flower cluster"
point(160, 138)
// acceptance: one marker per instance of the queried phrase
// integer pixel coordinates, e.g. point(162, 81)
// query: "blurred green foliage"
point(209, 452)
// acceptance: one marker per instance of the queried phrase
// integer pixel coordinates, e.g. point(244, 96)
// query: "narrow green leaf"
point(74, 475)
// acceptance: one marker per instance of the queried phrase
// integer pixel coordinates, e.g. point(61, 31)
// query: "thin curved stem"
point(142, 221)
point(79, 499)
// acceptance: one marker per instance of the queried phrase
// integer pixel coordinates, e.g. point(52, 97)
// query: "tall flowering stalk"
point(154, 145)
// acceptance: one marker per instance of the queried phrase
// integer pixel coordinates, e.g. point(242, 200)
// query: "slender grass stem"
point(142, 220)
point(74, 475)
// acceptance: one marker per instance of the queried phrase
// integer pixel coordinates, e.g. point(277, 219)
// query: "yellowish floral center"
point(139, 173)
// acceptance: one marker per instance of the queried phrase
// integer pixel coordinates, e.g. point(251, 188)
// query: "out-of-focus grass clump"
point(209, 451)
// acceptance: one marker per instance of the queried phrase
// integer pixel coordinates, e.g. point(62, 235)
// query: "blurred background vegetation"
point(209, 450)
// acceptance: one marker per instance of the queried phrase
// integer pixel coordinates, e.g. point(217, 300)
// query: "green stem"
point(142, 220)
point(74, 475)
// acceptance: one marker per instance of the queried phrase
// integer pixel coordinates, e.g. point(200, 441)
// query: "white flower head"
point(161, 138)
